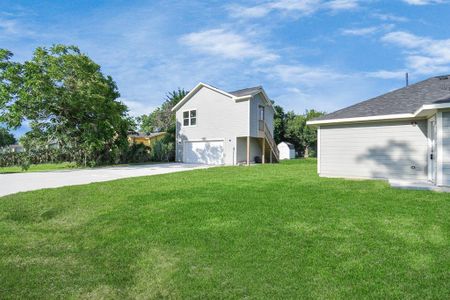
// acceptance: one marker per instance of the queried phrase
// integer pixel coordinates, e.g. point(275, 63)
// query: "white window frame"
point(189, 117)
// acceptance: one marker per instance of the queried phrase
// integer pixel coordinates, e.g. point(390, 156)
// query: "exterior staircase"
point(264, 133)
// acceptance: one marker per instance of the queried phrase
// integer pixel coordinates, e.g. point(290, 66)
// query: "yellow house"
point(147, 139)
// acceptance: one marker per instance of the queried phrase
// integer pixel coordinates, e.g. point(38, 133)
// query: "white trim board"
point(420, 113)
point(430, 162)
point(318, 150)
point(440, 149)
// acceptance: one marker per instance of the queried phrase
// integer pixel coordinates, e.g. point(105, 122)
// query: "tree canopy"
point(66, 99)
point(162, 118)
point(291, 127)
point(6, 138)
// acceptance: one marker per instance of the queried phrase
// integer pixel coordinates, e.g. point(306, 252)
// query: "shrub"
point(162, 151)
point(23, 159)
point(137, 153)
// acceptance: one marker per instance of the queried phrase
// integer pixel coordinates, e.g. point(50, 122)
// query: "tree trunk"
point(306, 154)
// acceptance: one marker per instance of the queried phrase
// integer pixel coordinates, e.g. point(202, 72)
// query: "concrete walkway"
point(417, 185)
point(21, 182)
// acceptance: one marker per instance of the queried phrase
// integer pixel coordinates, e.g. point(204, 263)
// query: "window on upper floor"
point(190, 117)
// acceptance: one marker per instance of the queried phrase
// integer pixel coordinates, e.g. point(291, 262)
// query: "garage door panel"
point(204, 152)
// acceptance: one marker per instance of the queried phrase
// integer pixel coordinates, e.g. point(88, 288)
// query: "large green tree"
point(279, 124)
point(304, 137)
point(162, 118)
point(309, 133)
point(6, 138)
point(10, 82)
point(293, 128)
point(67, 100)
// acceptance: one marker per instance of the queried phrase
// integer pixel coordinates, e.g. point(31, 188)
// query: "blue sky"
point(306, 53)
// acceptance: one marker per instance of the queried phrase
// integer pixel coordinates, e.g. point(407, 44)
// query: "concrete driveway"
point(21, 182)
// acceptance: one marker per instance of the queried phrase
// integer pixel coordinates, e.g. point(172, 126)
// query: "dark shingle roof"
point(246, 92)
point(409, 99)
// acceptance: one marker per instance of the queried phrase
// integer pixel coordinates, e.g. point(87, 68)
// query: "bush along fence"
point(134, 153)
point(34, 157)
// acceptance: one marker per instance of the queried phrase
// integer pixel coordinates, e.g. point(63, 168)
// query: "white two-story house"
point(218, 127)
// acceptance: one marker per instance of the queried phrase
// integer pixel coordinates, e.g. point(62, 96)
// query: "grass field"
point(61, 166)
point(272, 231)
point(38, 168)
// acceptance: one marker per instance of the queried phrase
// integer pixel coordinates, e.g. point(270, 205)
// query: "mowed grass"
point(38, 167)
point(267, 231)
point(62, 166)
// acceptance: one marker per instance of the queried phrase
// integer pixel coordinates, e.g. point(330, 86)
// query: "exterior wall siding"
point(391, 150)
point(254, 116)
point(446, 148)
point(255, 149)
point(218, 117)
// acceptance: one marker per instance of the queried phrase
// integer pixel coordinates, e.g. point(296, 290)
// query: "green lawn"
point(38, 168)
point(60, 166)
point(272, 231)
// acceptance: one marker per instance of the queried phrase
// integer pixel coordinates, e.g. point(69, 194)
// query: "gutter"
point(423, 112)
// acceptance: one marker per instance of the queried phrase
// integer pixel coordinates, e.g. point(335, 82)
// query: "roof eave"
point(236, 99)
point(195, 90)
point(423, 112)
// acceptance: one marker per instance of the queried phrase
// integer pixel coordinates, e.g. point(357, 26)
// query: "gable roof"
point(403, 102)
point(239, 95)
point(247, 91)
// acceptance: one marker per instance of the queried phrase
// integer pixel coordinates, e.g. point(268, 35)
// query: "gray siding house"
point(218, 127)
point(401, 135)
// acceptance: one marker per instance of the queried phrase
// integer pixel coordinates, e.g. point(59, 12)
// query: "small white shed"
point(287, 150)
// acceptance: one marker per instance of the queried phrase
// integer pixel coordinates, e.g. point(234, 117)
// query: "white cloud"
point(405, 39)
point(360, 31)
point(295, 7)
point(385, 74)
point(366, 30)
point(305, 75)
point(227, 44)
point(13, 28)
point(341, 4)
point(423, 55)
point(302, 6)
point(302, 87)
point(389, 17)
point(137, 108)
point(424, 2)
point(248, 12)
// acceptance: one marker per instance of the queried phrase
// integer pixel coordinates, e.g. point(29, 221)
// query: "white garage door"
point(204, 152)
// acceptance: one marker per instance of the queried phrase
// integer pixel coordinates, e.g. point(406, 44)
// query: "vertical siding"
point(218, 116)
point(446, 148)
point(394, 150)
